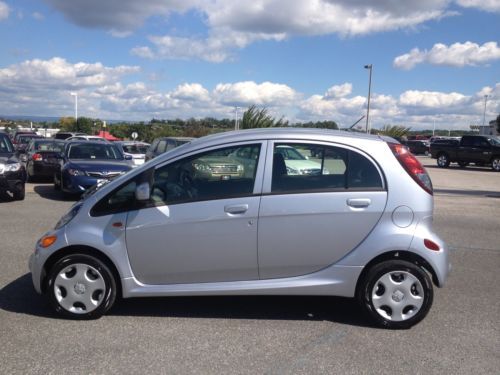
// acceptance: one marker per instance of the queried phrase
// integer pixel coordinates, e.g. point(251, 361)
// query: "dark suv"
point(12, 172)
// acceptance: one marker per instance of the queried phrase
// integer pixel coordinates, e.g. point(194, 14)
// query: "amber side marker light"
point(431, 245)
point(47, 241)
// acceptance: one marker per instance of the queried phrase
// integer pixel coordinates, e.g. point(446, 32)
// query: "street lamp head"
point(73, 93)
point(369, 66)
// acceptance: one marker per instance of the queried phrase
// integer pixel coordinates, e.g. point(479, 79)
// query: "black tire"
point(57, 185)
point(443, 160)
point(20, 192)
point(495, 164)
point(463, 164)
point(400, 274)
point(102, 293)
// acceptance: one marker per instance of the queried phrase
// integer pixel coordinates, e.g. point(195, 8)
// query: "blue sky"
point(434, 61)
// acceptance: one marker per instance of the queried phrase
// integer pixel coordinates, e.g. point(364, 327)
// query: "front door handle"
point(236, 209)
point(359, 202)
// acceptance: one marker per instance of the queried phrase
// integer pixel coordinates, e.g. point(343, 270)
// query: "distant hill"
point(41, 118)
point(30, 118)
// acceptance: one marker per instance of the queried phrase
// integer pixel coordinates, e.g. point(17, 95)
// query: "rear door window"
point(301, 168)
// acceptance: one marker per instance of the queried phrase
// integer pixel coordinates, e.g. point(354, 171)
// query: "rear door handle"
point(236, 209)
point(359, 202)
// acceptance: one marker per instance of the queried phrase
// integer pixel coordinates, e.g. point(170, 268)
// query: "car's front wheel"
point(20, 192)
point(443, 161)
point(396, 294)
point(81, 287)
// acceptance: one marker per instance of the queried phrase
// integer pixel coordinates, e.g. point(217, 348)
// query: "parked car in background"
point(17, 134)
point(297, 163)
point(164, 144)
point(478, 149)
point(86, 163)
point(137, 150)
point(24, 139)
point(42, 158)
point(12, 171)
point(86, 137)
point(418, 146)
point(66, 135)
point(165, 229)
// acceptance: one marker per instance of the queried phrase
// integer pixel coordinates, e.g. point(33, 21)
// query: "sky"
point(434, 62)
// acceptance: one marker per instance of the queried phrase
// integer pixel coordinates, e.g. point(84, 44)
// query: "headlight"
point(14, 167)
point(291, 171)
point(69, 216)
point(240, 168)
point(76, 172)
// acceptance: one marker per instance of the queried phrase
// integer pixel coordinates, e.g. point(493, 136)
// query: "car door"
point(201, 224)
point(310, 220)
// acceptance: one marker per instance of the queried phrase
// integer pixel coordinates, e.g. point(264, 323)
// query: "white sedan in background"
point(135, 149)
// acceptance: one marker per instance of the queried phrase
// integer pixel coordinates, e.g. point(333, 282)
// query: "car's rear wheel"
point(396, 294)
point(495, 164)
point(443, 161)
point(81, 287)
point(19, 192)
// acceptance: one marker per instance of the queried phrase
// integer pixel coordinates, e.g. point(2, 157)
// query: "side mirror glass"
point(23, 158)
point(128, 157)
point(142, 191)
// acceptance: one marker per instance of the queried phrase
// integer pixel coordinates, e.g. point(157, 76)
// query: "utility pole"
point(484, 112)
point(370, 68)
point(75, 94)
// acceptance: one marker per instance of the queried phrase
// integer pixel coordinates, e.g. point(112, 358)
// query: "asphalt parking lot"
point(270, 335)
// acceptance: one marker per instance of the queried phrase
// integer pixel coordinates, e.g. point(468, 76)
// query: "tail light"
point(37, 157)
point(411, 165)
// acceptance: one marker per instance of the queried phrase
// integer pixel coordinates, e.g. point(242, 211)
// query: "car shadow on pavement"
point(314, 308)
point(48, 192)
point(478, 193)
point(20, 297)
point(468, 168)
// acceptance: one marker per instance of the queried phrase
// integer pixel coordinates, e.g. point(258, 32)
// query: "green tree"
point(260, 118)
point(395, 131)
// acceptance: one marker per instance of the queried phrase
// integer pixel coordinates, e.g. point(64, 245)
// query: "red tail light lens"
point(411, 165)
point(431, 245)
point(36, 157)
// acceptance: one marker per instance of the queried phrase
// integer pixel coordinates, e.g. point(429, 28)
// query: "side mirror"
point(23, 158)
point(127, 157)
point(142, 191)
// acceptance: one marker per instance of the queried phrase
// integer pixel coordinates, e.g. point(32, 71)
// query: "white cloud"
point(457, 54)
point(339, 91)
point(38, 16)
point(250, 93)
point(486, 5)
point(232, 25)
point(4, 11)
point(42, 87)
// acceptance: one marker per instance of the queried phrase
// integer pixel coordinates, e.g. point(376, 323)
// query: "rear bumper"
point(437, 260)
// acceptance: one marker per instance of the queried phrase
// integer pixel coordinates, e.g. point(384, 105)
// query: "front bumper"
point(78, 184)
point(10, 183)
point(38, 259)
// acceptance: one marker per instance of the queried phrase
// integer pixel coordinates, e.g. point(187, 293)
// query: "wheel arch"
point(398, 255)
point(85, 250)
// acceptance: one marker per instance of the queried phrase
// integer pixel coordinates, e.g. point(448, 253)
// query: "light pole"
point(236, 125)
point(75, 94)
point(370, 68)
point(484, 112)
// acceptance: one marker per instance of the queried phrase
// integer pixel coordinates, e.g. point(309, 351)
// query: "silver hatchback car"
point(359, 226)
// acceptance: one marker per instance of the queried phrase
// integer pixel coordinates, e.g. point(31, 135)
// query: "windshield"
point(495, 141)
point(48, 146)
point(93, 151)
point(5, 145)
point(25, 139)
point(135, 149)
